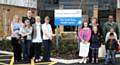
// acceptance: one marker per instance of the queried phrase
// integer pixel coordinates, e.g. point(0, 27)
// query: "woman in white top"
point(47, 37)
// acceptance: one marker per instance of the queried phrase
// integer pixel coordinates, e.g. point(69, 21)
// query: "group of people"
point(93, 35)
point(27, 37)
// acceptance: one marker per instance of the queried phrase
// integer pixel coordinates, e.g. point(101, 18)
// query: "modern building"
point(97, 8)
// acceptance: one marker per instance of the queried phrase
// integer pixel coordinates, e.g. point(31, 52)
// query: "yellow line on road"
point(12, 61)
point(4, 59)
point(32, 62)
point(44, 63)
point(5, 64)
point(4, 55)
point(52, 63)
point(2, 63)
point(21, 64)
point(48, 63)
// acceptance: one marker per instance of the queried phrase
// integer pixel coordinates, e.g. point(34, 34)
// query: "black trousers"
point(16, 49)
point(32, 51)
point(37, 50)
point(47, 49)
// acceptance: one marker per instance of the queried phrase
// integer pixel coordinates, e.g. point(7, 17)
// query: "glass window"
point(23, 3)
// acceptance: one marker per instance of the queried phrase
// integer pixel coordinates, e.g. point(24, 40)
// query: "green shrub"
point(5, 45)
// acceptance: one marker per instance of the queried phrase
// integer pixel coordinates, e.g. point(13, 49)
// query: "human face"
point(29, 13)
point(16, 18)
point(94, 21)
point(110, 18)
point(37, 19)
point(27, 22)
point(47, 20)
point(85, 24)
point(112, 37)
point(112, 30)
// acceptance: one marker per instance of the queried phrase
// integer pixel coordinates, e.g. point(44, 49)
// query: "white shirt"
point(38, 38)
point(47, 31)
point(108, 34)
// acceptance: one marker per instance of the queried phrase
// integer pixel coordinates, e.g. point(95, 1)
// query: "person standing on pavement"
point(94, 23)
point(47, 38)
point(95, 44)
point(111, 47)
point(26, 32)
point(37, 38)
point(84, 35)
point(110, 24)
point(32, 21)
point(15, 28)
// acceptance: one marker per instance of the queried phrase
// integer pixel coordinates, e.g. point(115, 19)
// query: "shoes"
point(81, 61)
point(92, 61)
point(36, 61)
point(45, 60)
point(85, 61)
point(39, 59)
point(96, 60)
point(17, 60)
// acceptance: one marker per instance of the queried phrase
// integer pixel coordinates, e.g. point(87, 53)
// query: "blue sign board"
point(68, 17)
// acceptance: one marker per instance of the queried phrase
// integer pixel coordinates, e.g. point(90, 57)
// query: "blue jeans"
point(26, 49)
point(110, 56)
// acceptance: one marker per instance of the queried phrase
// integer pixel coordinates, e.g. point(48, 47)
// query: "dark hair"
point(85, 21)
point(111, 34)
point(110, 15)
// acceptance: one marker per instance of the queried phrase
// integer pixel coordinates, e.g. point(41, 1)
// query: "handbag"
point(102, 51)
point(84, 49)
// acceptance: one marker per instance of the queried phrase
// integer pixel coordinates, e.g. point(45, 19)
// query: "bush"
point(5, 45)
point(68, 46)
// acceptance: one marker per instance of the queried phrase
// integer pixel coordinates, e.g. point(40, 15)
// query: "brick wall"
point(6, 14)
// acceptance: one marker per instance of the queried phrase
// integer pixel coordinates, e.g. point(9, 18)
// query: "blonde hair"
point(16, 16)
point(37, 17)
point(47, 17)
point(94, 18)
